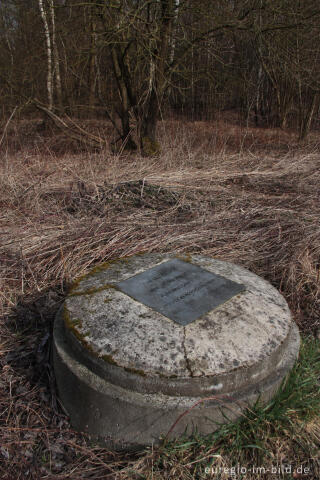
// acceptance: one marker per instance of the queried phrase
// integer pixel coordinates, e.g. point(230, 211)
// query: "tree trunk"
point(122, 82)
point(92, 61)
point(157, 84)
point(56, 58)
point(305, 122)
point(49, 55)
point(148, 141)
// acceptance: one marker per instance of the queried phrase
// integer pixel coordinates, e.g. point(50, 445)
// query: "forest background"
point(137, 61)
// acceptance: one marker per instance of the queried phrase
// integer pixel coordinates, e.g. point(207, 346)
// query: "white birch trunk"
point(173, 39)
point(55, 55)
point(49, 55)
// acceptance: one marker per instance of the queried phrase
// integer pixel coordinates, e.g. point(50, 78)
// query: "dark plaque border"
point(180, 290)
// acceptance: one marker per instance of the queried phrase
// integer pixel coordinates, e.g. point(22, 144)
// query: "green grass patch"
point(256, 438)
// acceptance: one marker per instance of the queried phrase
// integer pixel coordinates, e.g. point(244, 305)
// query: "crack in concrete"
point(188, 366)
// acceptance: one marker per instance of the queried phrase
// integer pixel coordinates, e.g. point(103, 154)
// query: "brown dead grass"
point(245, 195)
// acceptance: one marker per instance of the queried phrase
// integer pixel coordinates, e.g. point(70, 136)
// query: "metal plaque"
point(180, 290)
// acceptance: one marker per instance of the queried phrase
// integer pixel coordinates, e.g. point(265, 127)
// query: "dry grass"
point(246, 195)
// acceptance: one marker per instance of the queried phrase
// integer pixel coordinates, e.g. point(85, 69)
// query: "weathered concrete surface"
point(126, 372)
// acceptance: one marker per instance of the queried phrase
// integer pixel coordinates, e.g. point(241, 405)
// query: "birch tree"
point(55, 53)
point(49, 54)
point(53, 65)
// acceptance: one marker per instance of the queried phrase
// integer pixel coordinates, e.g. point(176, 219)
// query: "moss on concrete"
point(73, 327)
point(186, 257)
point(109, 359)
point(142, 373)
point(92, 290)
point(97, 269)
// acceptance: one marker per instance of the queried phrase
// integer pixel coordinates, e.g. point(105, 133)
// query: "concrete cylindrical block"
point(146, 340)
